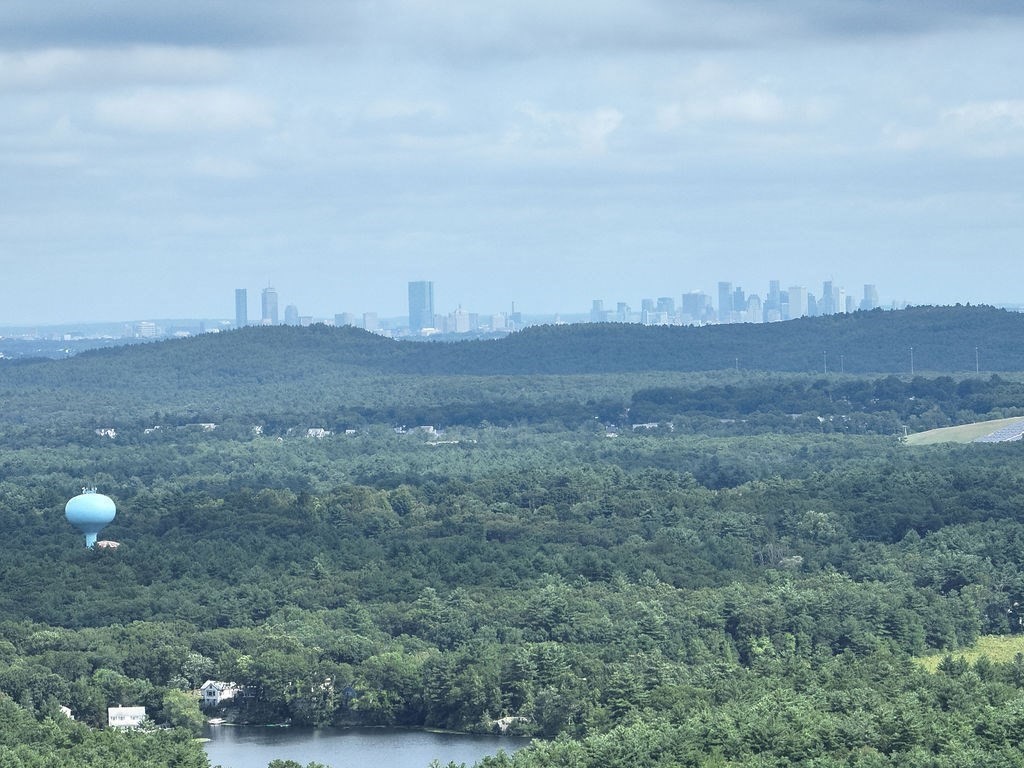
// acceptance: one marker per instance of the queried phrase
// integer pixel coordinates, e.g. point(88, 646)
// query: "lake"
point(253, 747)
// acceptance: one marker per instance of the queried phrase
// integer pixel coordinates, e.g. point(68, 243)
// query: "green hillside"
point(944, 340)
point(284, 378)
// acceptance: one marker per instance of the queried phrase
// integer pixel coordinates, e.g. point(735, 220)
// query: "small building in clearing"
point(213, 693)
point(125, 717)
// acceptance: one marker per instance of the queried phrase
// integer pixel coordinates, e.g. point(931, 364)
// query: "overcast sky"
point(155, 156)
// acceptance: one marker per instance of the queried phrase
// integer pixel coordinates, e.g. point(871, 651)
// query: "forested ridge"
point(651, 568)
point(944, 340)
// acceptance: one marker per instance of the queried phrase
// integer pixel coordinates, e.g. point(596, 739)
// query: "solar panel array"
point(1005, 434)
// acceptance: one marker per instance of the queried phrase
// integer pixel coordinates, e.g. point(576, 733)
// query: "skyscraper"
point(827, 305)
point(725, 302)
point(739, 302)
point(241, 307)
point(421, 305)
point(772, 309)
point(797, 301)
point(870, 300)
point(696, 307)
point(269, 306)
point(755, 309)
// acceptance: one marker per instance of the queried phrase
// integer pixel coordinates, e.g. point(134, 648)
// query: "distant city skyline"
point(694, 308)
point(734, 305)
point(422, 313)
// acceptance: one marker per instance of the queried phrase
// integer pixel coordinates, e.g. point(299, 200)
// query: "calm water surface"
point(251, 747)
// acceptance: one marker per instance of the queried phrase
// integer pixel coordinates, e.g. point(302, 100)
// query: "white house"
point(212, 693)
point(125, 717)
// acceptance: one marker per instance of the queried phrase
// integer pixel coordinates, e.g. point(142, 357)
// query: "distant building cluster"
point(423, 319)
point(734, 305)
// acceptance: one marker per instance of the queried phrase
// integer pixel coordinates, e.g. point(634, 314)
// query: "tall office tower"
point(241, 307)
point(755, 310)
point(291, 315)
point(646, 311)
point(371, 323)
point(597, 313)
point(725, 302)
point(458, 321)
point(797, 301)
point(622, 312)
point(772, 309)
point(269, 306)
point(827, 305)
point(421, 305)
point(739, 302)
point(665, 311)
point(344, 318)
point(870, 300)
point(694, 308)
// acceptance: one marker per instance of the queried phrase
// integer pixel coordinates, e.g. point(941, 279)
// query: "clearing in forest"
point(998, 648)
point(965, 433)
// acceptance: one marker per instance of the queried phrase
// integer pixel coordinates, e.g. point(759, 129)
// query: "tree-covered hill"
point(286, 378)
point(943, 339)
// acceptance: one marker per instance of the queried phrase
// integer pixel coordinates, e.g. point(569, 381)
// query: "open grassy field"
point(965, 433)
point(1001, 648)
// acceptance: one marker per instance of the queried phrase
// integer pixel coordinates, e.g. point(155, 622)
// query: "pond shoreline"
point(254, 746)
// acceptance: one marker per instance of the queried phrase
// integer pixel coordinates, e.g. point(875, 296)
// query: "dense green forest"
point(637, 565)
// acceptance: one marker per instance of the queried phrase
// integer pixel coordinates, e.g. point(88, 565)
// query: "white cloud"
point(747, 106)
point(60, 68)
point(397, 109)
point(595, 128)
point(982, 128)
point(712, 92)
point(222, 167)
point(987, 115)
point(588, 131)
point(198, 110)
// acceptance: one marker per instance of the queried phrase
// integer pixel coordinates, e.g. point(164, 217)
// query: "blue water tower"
point(90, 512)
